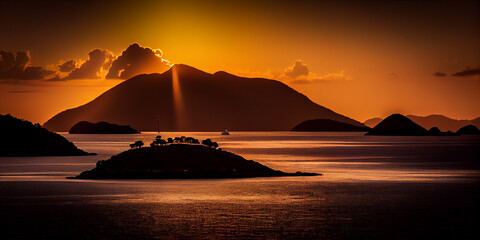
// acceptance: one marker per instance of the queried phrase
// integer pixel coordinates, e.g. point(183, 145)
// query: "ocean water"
point(373, 187)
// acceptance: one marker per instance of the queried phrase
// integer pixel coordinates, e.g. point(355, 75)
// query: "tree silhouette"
point(139, 144)
point(208, 142)
point(158, 141)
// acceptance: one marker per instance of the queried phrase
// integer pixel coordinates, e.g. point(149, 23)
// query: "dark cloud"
point(67, 66)
point(297, 70)
point(439, 74)
point(467, 72)
point(136, 60)
point(16, 67)
point(98, 61)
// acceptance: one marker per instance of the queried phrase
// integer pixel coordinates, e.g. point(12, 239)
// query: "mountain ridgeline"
point(187, 99)
point(327, 125)
point(85, 127)
point(399, 125)
point(442, 122)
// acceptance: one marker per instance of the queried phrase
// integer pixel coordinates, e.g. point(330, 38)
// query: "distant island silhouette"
point(180, 158)
point(328, 125)
point(442, 122)
point(468, 130)
point(85, 127)
point(372, 122)
point(398, 125)
point(22, 138)
point(435, 131)
point(193, 100)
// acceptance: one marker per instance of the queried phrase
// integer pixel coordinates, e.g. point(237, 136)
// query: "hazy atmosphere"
point(362, 59)
point(332, 120)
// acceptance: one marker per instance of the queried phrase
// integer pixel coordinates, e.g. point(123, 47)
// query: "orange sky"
point(364, 59)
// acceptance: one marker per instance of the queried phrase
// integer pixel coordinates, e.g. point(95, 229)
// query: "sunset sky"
point(362, 59)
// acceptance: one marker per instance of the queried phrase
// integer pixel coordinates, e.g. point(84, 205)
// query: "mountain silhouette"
point(442, 122)
point(435, 131)
point(328, 125)
point(85, 127)
point(468, 130)
point(198, 101)
point(22, 138)
point(372, 122)
point(398, 125)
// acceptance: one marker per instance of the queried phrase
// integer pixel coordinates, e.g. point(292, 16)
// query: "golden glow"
point(38, 102)
point(177, 98)
point(390, 63)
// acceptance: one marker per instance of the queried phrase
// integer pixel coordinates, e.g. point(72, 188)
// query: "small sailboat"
point(225, 132)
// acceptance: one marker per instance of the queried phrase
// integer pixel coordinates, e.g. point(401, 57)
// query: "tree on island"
point(158, 142)
point(192, 140)
point(137, 144)
point(207, 142)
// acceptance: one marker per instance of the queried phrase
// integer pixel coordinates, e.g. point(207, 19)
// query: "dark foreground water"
point(372, 188)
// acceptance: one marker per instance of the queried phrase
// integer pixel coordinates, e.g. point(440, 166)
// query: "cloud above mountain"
point(133, 61)
point(329, 77)
point(100, 64)
point(298, 69)
point(98, 61)
point(136, 60)
point(300, 74)
point(15, 67)
point(67, 66)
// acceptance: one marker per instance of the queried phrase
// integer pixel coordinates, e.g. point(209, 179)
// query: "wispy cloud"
point(329, 77)
point(300, 74)
point(439, 74)
point(467, 72)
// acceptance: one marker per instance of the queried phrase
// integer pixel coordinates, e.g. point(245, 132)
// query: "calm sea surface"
point(373, 188)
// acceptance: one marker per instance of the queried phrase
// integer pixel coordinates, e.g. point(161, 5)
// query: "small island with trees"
point(180, 158)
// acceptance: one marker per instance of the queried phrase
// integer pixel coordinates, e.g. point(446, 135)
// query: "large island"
point(22, 138)
point(180, 160)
